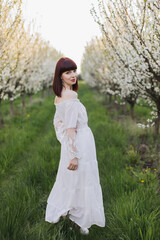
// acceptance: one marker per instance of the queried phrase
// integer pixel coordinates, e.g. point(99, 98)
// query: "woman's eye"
point(70, 71)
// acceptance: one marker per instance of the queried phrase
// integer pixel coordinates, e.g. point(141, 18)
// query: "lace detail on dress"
point(71, 143)
point(59, 129)
point(69, 137)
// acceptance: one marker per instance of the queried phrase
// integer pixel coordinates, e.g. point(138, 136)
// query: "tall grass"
point(131, 207)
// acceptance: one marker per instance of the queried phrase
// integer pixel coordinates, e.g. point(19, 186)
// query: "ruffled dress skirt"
point(78, 192)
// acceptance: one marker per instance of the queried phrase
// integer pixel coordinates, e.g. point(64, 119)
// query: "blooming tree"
point(131, 34)
point(26, 61)
point(10, 25)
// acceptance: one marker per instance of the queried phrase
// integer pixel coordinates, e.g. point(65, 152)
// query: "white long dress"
point(77, 191)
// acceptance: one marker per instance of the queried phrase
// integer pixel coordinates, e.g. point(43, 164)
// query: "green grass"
point(29, 168)
point(20, 131)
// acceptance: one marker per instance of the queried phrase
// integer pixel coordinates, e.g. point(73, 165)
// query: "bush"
point(132, 157)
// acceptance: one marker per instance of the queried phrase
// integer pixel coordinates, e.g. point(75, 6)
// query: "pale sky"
point(67, 24)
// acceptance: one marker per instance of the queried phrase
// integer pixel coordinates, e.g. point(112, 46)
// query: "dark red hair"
point(64, 64)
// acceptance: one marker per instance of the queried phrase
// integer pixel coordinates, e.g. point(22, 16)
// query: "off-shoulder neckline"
point(66, 101)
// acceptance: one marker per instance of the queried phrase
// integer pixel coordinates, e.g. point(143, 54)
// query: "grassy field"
point(29, 158)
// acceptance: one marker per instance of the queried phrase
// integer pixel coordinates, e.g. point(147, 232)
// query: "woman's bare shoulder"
point(65, 95)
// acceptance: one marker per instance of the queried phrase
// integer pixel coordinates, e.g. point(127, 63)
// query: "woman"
point(77, 189)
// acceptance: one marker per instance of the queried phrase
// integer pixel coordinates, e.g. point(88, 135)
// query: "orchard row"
point(27, 62)
point(125, 61)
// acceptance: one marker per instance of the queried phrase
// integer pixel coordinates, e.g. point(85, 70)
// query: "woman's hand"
point(73, 165)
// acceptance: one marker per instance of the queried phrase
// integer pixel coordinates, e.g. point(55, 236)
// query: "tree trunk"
point(1, 122)
point(11, 108)
point(30, 98)
point(0, 118)
point(106, 98)
point(50, 91)
point(110, 98)
point(23, 100)
point(42, 93)
point(114, 102)
point(157, 121)
point(125, 108)
point(132, 109)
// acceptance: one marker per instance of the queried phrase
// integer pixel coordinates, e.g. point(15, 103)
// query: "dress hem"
point(73, 220)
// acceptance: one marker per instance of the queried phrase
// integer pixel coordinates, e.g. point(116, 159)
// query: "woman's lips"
point(73, 80)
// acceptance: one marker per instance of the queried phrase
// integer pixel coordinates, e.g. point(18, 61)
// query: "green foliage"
point(132, 157)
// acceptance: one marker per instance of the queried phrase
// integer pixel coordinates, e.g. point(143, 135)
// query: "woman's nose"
point(74, 74)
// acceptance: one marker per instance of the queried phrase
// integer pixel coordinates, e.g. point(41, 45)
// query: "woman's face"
point(69, 78)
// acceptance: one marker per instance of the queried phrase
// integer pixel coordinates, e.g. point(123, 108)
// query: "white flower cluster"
point(26, 61)
point(140, 125)
point(125, 60)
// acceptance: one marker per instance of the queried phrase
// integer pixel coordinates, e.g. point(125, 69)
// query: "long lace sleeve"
point(70, 122)
point(59, 128)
